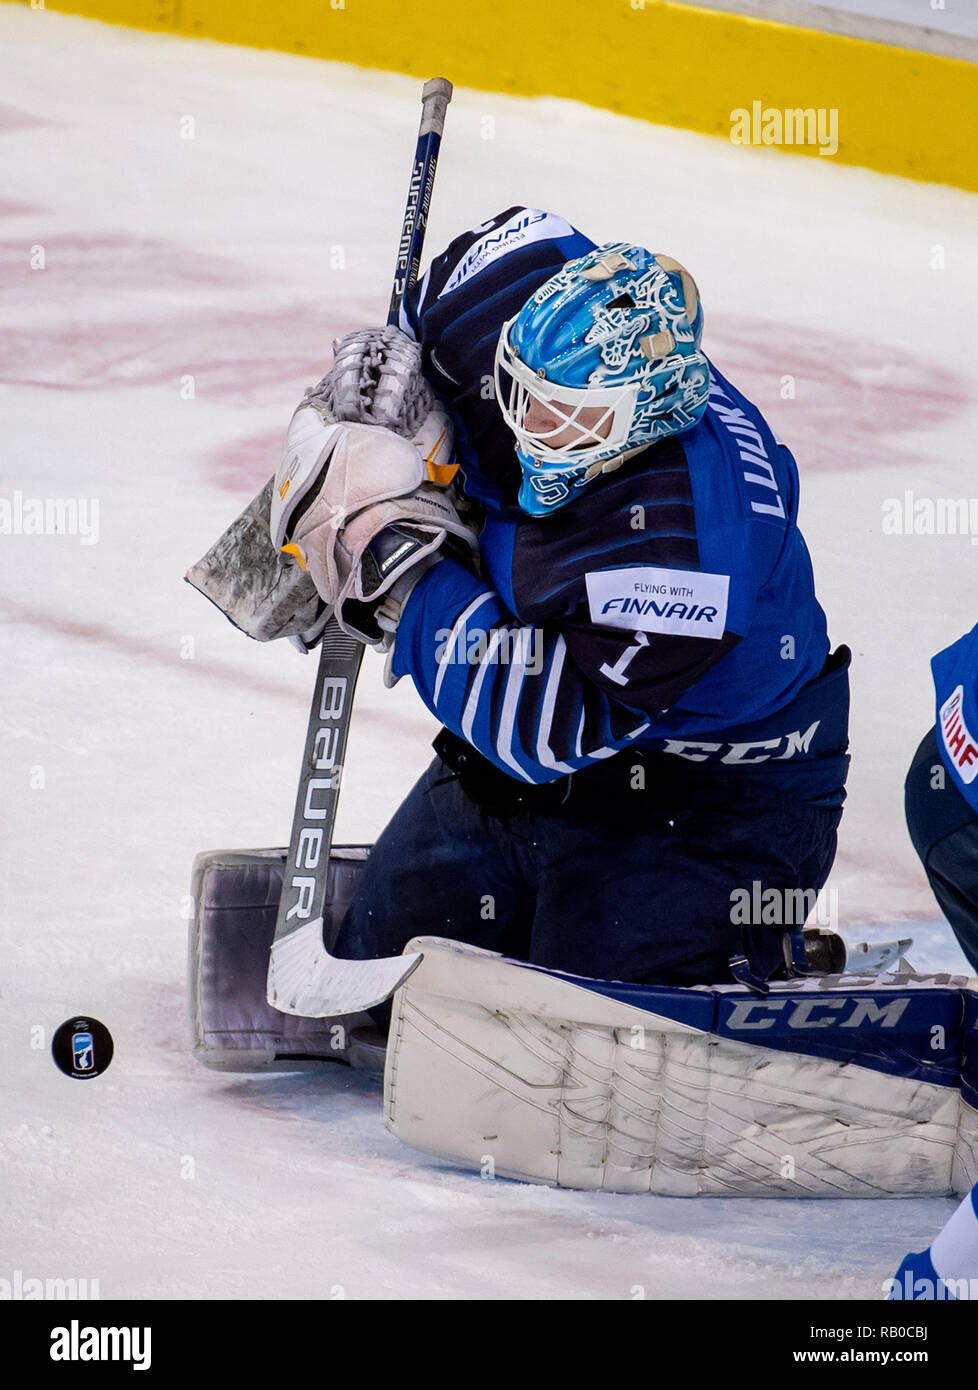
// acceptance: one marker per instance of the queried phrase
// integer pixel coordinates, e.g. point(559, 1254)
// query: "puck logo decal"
point(82, 1047)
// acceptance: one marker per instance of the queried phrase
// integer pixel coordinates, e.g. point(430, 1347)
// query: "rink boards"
point(894, 108)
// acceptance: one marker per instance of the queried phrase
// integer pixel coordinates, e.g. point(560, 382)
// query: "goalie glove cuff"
point(352, 506)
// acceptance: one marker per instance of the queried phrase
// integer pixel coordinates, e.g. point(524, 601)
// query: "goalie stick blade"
point(304, 979)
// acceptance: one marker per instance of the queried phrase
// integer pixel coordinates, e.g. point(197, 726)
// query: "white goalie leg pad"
point(491, 1062)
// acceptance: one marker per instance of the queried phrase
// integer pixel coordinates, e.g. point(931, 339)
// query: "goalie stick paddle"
point(303, 978)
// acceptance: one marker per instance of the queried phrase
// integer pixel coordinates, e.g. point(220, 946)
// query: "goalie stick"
point(303, 978)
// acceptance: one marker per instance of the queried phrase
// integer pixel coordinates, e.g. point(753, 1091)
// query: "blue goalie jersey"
point(671, 605)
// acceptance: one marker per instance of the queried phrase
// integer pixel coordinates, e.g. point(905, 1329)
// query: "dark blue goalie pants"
point(631, 877)
point(944, 830)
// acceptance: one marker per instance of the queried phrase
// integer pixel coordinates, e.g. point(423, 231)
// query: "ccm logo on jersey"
point(958, 742)
point(683, 603)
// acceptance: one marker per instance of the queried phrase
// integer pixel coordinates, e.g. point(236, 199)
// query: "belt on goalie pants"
point(504, 797)
point(614, 788)
point(494, 791)
point(814, 772)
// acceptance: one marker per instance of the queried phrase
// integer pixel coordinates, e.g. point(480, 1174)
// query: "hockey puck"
point(82, 1047)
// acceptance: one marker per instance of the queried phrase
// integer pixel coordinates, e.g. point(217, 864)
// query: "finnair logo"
point(664, 608)
point(524, 227)
point(78, 1343)
point(646, 598)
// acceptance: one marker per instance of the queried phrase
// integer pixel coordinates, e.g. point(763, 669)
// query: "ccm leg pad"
point(837, 1086)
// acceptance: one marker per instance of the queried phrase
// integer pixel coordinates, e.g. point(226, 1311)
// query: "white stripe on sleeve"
point(448, 656)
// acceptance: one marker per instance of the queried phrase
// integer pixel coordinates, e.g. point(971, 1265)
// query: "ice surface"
point(139, 728)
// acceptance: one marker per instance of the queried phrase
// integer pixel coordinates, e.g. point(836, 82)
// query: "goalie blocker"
point(236, 895)
point(831, 1086)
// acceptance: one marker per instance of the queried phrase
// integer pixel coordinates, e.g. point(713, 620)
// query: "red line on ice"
point(16, 118)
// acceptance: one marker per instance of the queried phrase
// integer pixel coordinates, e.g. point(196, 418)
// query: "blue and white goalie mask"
point(603, 360)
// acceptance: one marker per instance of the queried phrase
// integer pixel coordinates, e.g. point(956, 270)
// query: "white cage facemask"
point(604, 436)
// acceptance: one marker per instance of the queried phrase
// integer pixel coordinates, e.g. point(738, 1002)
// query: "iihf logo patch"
point(959, 743)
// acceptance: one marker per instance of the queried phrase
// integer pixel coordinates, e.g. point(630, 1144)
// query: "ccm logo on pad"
point(683, 603)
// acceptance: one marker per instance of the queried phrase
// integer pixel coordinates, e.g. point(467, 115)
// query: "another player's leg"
point(948, 1268)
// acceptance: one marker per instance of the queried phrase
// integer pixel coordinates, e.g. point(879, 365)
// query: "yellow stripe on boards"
point(898, 111)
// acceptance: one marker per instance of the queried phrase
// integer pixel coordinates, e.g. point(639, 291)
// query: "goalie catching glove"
point(353, 506)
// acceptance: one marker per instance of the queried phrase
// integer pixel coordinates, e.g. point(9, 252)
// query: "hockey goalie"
point(545, 506)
